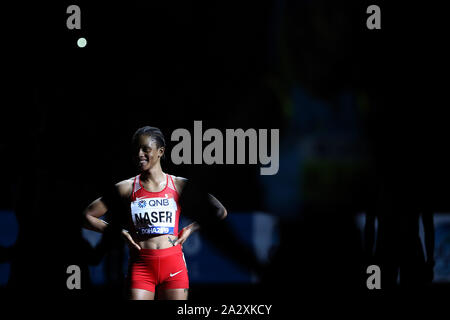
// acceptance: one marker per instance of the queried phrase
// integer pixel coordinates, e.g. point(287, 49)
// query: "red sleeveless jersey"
point(155, 213)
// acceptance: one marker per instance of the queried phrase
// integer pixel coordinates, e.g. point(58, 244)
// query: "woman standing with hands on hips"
point(157, 263)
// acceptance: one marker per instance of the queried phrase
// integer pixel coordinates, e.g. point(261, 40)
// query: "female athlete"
point(157, 264)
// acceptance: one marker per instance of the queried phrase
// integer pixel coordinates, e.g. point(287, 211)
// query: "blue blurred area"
point(9, 230)
point(442, 248)
point(205, 263)
point(97, 274)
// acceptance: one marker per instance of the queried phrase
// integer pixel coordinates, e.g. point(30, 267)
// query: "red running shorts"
point(165, 268)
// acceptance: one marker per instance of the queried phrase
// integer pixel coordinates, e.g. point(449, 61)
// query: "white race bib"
point(154, 215)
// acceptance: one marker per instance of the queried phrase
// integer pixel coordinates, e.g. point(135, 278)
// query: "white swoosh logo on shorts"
point(174, 274)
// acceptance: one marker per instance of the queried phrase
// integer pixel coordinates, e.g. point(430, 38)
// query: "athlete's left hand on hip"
point(183, 235)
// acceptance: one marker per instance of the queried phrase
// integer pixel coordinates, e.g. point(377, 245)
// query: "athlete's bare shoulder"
point(179, 183)
point(125, 187)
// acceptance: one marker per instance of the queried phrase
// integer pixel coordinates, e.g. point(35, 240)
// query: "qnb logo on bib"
point(154, 215)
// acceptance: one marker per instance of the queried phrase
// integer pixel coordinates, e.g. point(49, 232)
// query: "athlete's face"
point(147, 152)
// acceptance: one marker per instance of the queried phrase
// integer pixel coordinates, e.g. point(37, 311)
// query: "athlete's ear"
point(161, 152)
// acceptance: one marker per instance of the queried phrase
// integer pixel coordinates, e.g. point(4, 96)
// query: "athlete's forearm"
point(92, 214)
point(194, 226)
point(94, 224)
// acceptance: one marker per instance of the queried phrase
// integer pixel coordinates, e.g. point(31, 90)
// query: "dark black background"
point(68, 113)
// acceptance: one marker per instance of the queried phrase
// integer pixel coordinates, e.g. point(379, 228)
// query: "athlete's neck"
point(153, 175)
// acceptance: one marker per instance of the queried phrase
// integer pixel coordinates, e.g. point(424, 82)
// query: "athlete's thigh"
point(173, 294)
point(141, 294)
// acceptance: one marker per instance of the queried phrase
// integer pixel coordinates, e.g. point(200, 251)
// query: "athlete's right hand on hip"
point(130, 242)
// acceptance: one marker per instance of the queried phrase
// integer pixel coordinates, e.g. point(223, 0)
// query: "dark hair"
point(153, 132)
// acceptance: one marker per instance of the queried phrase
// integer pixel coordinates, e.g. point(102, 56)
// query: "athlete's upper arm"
point(180, 182)
point(98, 207)
point(221, 211)
point(125, 188)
